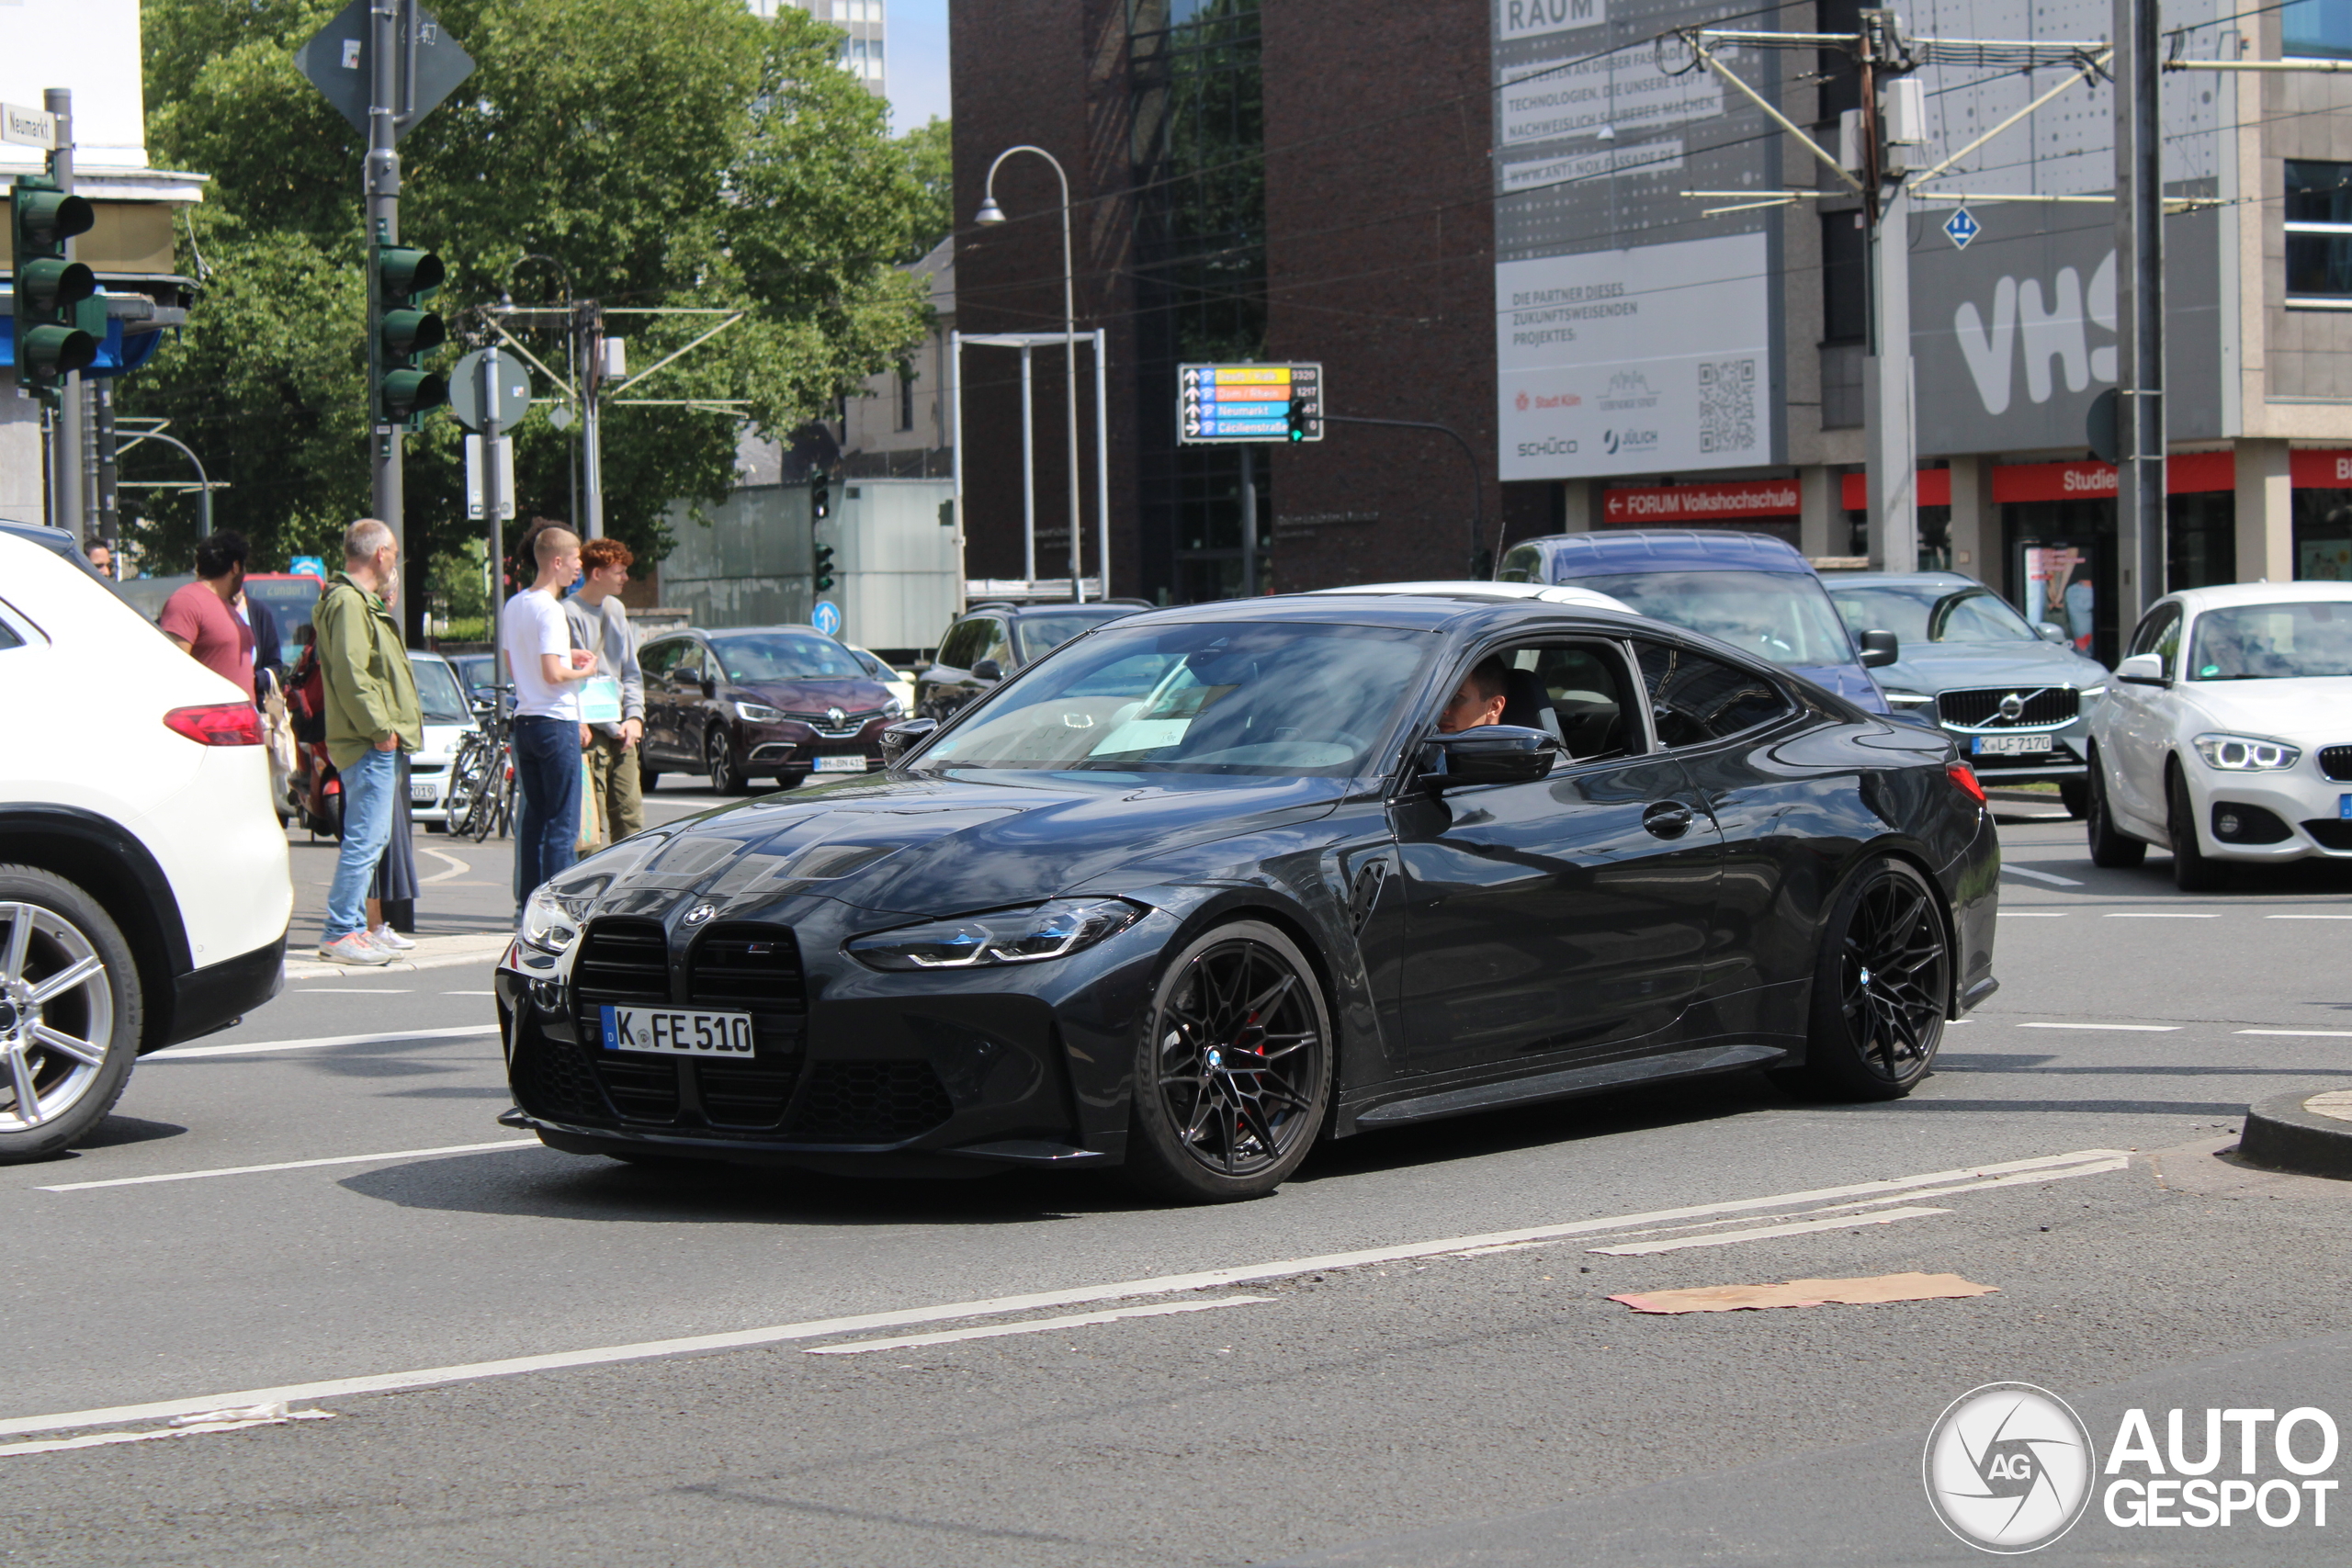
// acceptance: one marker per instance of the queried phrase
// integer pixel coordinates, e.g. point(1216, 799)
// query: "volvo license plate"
point(840, 764)
point(677, 1031)
point(2010, 745)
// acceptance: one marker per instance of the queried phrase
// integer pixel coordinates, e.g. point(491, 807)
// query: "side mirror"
point(2050, 631)
point(1879, 650)
point(899, 739)
point(2143, 669)
point(1491, 754)
point(987, 670)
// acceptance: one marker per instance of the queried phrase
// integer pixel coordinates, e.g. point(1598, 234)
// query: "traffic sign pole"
point(381, 183)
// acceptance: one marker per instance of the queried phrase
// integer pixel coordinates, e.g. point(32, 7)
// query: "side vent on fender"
point(1364, 897)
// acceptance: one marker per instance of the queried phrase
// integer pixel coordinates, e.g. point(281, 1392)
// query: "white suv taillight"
point(217, 724)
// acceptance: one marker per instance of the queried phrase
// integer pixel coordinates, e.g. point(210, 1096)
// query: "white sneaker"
point(387, 938)
point(353, 947)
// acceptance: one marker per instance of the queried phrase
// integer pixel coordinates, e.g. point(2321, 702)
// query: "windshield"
point(786, 656)
point(1040, 634)
point(1783, 617)
point(2271, 642)
point(437, 693)
point(1927, 615)
point(1282, 699)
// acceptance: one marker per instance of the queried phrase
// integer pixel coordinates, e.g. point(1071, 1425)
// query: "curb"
point(430, 953)
point(2286, 1133)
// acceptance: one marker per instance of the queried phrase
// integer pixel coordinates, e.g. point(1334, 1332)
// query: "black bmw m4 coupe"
point(1208, 885)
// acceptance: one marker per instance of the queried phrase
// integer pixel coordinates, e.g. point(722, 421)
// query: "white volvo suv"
point(144, 888)
point(2226, 735)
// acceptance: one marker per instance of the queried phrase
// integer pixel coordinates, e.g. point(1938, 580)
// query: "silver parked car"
point(2016, 699)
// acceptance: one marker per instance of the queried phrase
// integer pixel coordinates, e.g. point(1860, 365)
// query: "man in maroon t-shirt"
point(198, 618)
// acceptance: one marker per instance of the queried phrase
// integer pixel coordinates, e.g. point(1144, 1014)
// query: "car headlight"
point(554, 912)
point(2088, 692)
point(893, 708)
point(1897, 698)
point(2245, 753)
point(1005, 936)
point(758, 712)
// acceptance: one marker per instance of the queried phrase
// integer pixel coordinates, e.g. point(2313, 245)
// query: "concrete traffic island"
point(2309, 1134)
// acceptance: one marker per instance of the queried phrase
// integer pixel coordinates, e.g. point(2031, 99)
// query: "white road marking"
point(185, 1053)
point(470, 993)
point(2307, 917)
point(2161, 915)
point(2014, 1179)
point(2118, 1027)
point(295, 1165)
point(1034, 1326)
point(231, 1421)
point(2033, 914)
point(457, 867)
point(1802, 1227)
point(2302, 1033)
point(353, 990)
point(2051, 877)
point(2045, 1167)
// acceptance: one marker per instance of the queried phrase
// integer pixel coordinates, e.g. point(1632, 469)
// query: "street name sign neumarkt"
point(1218, 405)
point(335, 60)
point(29, 128)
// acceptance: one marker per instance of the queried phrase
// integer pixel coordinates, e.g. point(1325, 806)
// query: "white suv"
point(144, 890)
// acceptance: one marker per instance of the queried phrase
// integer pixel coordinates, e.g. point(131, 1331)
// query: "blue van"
point(1753, 592)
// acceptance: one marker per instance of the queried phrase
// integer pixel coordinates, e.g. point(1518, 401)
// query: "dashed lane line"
point(2302, 1033)
point(2163, 915)
point(1031, 1325)
point(190, 1053)
point(1764, 1233)
point(2116, 1028)
point(2046, 1168)
point(2051, 877)
point(294, 1165)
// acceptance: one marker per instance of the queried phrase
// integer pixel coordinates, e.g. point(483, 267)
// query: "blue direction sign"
point(1218, 404)
point(1960, 228)
point(826, 617)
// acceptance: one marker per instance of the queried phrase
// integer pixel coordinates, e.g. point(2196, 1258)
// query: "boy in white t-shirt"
point(536, 641)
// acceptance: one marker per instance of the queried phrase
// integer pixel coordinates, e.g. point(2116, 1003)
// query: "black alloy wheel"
point(2111, 848)
point(2193, 871)
point(1881, 987)
point(69, 1013)
point(726, 778)
point(1233, 1071)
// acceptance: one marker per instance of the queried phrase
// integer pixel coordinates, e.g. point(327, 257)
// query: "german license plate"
point(424, 792)
point(2010, 745)
point(674, 1031)
point(2344, 806)
point(840, 764)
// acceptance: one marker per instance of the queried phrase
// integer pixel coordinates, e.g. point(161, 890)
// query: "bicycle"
point(481, 786)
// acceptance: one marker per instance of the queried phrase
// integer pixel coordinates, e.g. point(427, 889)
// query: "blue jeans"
point(368, 786)
point(546, 819)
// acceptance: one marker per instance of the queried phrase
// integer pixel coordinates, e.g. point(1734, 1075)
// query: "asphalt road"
point(1407, 1356)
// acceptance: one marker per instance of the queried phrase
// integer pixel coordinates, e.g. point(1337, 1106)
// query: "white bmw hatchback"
point(143, 881)
point(2226, 735)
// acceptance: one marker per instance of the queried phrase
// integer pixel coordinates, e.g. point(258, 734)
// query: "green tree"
point(930, 151)
point(658, 155)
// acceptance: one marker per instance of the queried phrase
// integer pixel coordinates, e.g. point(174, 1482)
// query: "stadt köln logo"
point(2009, 1467)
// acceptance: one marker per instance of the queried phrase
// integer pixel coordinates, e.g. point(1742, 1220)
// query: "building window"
point(906, 401)
point(2318, 234)
point(2317, 27)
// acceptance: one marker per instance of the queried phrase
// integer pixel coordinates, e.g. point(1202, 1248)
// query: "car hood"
point(1932, 667)
point(933, 846)
point(2311, 712)
point(851, 695)
point(1850, 681)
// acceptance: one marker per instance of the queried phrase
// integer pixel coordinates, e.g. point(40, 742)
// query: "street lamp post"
point(991, 213)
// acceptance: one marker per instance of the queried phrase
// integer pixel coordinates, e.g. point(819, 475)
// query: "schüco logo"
point(2008, 1468)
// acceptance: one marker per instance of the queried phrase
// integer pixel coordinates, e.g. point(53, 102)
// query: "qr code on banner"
point(1727, 405)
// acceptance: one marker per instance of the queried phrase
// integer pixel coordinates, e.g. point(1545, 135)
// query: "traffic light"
point(825, 567)
point(59, 320)
point(1295, 421)
point(820, 497)
point(401, 333)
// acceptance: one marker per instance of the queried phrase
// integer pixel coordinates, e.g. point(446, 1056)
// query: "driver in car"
point(1478, 700)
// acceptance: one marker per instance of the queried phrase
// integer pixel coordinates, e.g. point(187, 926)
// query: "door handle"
point(1667, 818)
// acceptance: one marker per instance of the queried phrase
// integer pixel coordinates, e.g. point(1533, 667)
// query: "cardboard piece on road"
point(1808, 1292)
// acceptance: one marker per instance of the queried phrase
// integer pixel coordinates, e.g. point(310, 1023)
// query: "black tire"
point(718, 757)
point(1873, 1036)
point(2111, 847)
point(50, 929)
point(1204, 1131)
point(647, 778)
point(2074, 795)
point(2193, 871)
point(791, 781)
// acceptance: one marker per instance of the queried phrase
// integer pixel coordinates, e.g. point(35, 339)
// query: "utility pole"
point(1891, 457)
point(588, 329)
point(67, 509)
point(381, 181)
point(2139, 311)
point(494, 503)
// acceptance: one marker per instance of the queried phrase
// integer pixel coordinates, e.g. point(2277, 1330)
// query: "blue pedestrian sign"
point(1960, 228)
point(826, 617)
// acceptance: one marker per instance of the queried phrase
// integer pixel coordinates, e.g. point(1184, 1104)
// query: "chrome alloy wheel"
point(1239, 1053)
point(56, 1016)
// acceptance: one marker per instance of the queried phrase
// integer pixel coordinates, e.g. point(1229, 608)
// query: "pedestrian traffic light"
point(1295, 421)
point(59, 318)
point(401, 333)
point(820, 497)
point(825, 567)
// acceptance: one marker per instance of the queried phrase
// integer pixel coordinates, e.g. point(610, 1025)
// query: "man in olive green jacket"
point(371, 714)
